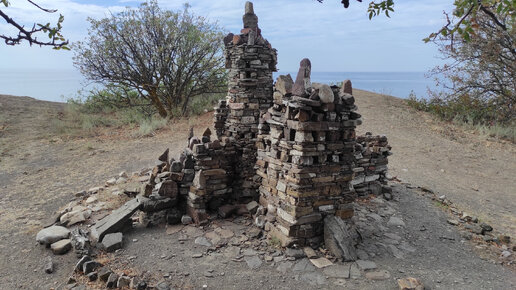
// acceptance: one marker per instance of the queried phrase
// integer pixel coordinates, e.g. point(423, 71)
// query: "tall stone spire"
point(250, 19)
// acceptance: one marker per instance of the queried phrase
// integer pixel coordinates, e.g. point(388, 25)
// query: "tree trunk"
point(157, 103)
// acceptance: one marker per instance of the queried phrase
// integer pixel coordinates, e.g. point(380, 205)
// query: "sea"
point(61, 85)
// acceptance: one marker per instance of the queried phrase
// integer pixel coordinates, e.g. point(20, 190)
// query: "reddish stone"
point(237, 39)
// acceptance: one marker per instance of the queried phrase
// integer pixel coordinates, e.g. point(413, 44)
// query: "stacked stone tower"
point(306, 158)
point(250, 61)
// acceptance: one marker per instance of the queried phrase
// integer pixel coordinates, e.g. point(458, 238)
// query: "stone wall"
point(306, 157)
point(371, 154)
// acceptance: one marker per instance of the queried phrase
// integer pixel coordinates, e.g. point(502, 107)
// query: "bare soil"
point(41, 170)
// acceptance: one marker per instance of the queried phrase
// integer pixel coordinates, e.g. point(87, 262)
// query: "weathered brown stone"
point(347, 88)
point(303, 78)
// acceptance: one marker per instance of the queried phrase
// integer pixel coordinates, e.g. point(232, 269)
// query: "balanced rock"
point(52, 234)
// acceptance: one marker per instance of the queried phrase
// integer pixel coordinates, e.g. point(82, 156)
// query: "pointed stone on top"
point(249, 18)
point(249, 8)
point(303, 78)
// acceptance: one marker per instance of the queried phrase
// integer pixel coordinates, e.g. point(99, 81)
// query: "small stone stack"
point(162, 192)
point(371, 154)
point(306, 157)
point(250, 61)
point(211, 186)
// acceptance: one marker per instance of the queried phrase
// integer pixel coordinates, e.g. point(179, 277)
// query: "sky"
point(333, 38)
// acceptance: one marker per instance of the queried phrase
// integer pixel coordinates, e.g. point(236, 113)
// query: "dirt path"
point(476, 174)
point(40, 171)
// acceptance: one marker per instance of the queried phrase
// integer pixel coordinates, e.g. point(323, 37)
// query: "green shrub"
point(148, 127)
point(480, 115)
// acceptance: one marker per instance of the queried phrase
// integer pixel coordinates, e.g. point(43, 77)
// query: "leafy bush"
point(478, 114)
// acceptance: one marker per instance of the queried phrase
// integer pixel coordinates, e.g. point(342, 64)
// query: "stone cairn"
point(306, 157)
point(371, 153)
point(250, 61)
point(292, 147)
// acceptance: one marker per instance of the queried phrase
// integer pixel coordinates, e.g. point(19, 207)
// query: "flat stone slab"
point(337, 271)
point(116, 220)
point(52, 234)
point(112, 242)
point(395, 222)
point(253, 262)
point(366, 265)
point(61, 247)
point(321, 262)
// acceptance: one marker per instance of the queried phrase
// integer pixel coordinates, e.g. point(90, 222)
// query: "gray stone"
point(116, 220)
point(313, 278)
point(283, 267)
point(80, 263)
point(366, 265)
point(112, 280)
point(325, 93)
point(156, 203)
point(284, 84)
point(378, 275)
point(476, 229)
point(250, 19)
point(296, 253)
point(254, 262)
point(92, 276)
point(163, 285)
point(112, 242)
point(203, 242)
point(49, 265)
point(340, 238)
point(395, 252)
point(252, 206)
point(260, 221)
point(486, 227)
point(337, 271)
point(89, 267)
point(176, 166)
point(304, 265)
point(78, 215)
point(309, 252)
point(354, 271)
point(186, 220)
point(104, 273)
point(395, 222)
point(52, 234)
point(61, 247)
point(453, 222)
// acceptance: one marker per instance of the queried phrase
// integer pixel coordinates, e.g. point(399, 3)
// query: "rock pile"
point(211, 187)
point(371, 153)
point(306, 157)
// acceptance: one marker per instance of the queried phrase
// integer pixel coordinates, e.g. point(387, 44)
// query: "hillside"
point(41, 169)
